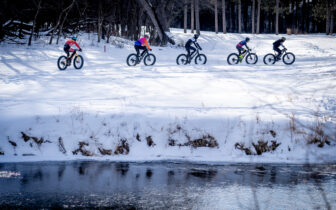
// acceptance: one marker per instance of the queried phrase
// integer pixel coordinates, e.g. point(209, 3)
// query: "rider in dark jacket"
point(189, 47)
point(276, 46)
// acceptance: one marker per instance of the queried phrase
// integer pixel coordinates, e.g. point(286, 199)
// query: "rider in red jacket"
point(68, 48)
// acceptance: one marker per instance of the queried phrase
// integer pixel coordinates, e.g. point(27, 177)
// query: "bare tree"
point(328, 17)
point(253, 16)
point(197, 17)
point(185, 15)
point(216, 16)
point(100, 19)
point(65, 10)
point(192, 17)
point(159, 27)
point(332, 23)
point(258, 17)
point(34, 22)
point(224, 16)
point(239, 16)
point(277, 17)
point(60, 31)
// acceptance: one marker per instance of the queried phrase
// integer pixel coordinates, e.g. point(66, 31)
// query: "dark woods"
point(27, 19)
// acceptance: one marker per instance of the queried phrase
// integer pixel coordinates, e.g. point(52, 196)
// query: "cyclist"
point(276, 46)
point(141, 44)
point(189, 47)
point(68, 48)
point(240, 48)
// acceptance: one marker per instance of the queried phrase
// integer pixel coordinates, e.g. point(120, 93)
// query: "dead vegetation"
point(61, 145)
point(138, 137)
point(317, 135)
point(82, 150)
point(122, 147)
point(241, 146)
point(260, 148)
point(150, 141)
point(105, 151)
point(38, 141)
point(12, 143)
point(206, 140)
point(273, 133)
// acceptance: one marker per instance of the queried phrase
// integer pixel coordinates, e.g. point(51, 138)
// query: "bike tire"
point(233, 58)
point(78, 62)
point(200, 59)
point(251, 58)
point(269, 59)
point(149, 60)
point(132, 60)
point(61, 63)
point(182, 59)
point(288, 58)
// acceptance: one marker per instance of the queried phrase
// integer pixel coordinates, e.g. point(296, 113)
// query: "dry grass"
point(61, 145)
point(82, 150)
point(260, 148)
point(150, 141)
point(122, 147)
point(105, 151)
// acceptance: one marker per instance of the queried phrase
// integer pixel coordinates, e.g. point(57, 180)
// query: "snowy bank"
point(211, 113)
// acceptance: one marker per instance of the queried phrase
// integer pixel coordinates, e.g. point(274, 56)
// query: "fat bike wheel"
point(251, 58)
point(78, 62)
point(132, 60)
point(149, 60)
point(182, 59)
point(288, 58)
point(269, 59)
point(200, 59)
point(62, 63)
point(233, 59)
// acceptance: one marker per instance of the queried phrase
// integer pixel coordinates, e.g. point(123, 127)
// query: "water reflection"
point(131, 185)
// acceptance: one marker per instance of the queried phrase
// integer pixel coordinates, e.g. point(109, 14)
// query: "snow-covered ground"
point(107, 102)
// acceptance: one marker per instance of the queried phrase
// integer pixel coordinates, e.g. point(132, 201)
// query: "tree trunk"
point(197, 17)
point(332, 23)
point(253, 16)
point(216, 16)
point(185, 24)
point(328, 18)
point(59, 21)
point(60, 31)
point(192, 18)
point(258, 17)
point(277, 17)
point(239, 16)
point(34, 23)
point(100, 20)
point(158, 26)
point(224, 16)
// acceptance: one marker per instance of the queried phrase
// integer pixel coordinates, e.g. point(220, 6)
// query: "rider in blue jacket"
point(240, 48)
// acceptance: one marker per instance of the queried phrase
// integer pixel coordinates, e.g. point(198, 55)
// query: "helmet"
point(146, 36)
point(247, 39)
point(196, 36)
point(283, 38)
point(74, 38)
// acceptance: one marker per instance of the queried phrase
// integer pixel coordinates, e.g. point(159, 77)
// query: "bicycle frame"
point(283, 51)
point(193, 54)
point(246, 53)
point(143, 54)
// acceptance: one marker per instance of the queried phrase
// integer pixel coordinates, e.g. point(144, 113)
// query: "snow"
point(108, 101)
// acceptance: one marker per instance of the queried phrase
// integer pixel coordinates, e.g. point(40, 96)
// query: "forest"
point(26, 20)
